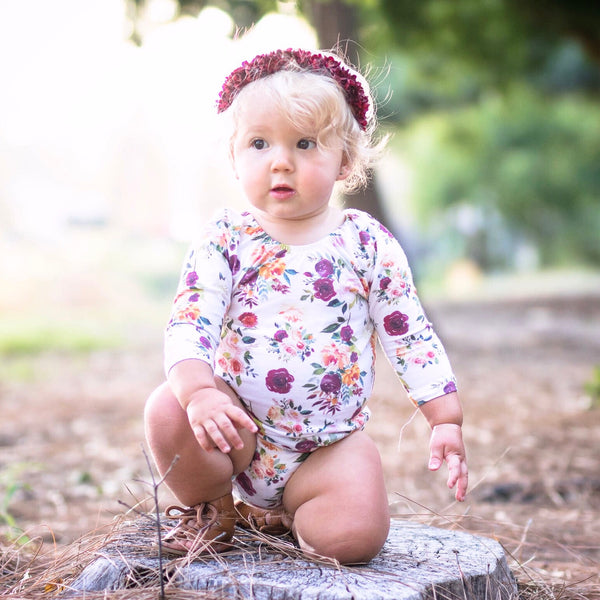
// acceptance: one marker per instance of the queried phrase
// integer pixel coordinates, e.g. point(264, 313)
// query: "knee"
point(163, 411)
point(348, 542)
point(159, 401)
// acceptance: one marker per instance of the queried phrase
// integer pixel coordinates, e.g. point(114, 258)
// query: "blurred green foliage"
point(592, 387)
point(23, 337)
point(529, 165)
point(10, 484)
point(499, 115)
point(498, 107)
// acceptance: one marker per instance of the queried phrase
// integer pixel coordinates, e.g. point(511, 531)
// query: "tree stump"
point(418, 562)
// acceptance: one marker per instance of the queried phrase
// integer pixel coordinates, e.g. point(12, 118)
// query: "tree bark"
point(336, 24)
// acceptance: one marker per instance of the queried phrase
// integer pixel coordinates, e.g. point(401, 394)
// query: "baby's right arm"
point(212, 414)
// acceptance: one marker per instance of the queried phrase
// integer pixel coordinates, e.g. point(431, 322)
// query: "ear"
point(344, 170)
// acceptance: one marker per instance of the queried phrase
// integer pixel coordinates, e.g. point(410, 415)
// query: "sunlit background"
point(98, 131)
point(111, 156)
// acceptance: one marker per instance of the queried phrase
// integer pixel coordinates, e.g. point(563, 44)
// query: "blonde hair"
point(316, 103)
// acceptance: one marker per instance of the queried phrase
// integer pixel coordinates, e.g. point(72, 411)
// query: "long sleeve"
point(406, 336)
point(202, 298)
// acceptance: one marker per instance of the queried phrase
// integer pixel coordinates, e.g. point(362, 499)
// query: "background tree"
point(336, 23)
point(508, 98)
point(494, 106)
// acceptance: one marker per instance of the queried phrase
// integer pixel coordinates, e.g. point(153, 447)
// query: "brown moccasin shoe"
point(203, 528)
point(274, 521)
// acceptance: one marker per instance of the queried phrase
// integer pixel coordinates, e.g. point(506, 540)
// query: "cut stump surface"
point(418, 562)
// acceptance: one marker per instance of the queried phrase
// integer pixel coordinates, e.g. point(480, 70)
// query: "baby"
point(270, 349)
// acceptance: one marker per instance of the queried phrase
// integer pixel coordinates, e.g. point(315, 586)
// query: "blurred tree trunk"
point(336, 24)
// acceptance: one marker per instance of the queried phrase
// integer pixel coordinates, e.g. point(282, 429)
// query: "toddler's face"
point(283, 172)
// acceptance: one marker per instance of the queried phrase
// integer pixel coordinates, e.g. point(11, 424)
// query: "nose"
point(282, 160)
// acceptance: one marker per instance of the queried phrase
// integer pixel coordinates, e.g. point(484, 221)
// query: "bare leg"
point(339, 501)
point(198, 476)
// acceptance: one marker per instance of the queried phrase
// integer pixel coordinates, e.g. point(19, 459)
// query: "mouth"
point(282, 191)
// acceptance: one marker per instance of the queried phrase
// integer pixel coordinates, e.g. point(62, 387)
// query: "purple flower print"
point(384, 283)
point(395, 323)
point(250, 276)
point(346, 333)
point(244, 482)
point(364, 237)
point(234, 264)
point(449, 387)
point(205, 342)
point(331, 383)
point(324, 289)
point(306, 446)
point(279, 381)
point(191, 279)
point(194, 297)
point(280, 335)
point(324, 268)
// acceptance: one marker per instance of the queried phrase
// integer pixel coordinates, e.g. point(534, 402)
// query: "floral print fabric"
point(293, 328)
point(263, 482)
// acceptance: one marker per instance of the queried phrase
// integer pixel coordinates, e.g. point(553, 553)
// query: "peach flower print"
point(334, 355)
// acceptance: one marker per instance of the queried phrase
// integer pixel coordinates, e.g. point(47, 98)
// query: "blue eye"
point(258, 144)
point(306, 144)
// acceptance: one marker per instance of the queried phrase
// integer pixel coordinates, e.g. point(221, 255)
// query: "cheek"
point(247, 174)
point(240, 167)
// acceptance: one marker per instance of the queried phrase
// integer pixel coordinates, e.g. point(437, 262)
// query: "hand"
point(215, 420)
point(446, 444)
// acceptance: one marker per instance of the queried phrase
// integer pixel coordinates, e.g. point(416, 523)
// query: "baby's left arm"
point(444, 415)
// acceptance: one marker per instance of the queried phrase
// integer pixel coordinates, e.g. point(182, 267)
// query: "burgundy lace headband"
point(297, 60)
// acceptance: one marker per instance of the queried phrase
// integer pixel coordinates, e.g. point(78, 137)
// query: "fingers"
point(203, 438)
point(462, 483)
point(458, 476)
point(447, 445)
point(242, 419)
point(222, 430)
point(218, 427)
point(457, 473)
point(435, 461)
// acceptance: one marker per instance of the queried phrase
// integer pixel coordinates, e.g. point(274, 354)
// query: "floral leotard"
point(292, 329)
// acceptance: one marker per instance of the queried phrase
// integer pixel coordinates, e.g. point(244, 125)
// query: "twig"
point(155, 486)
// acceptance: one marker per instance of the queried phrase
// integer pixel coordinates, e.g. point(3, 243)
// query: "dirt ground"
point(71, 439)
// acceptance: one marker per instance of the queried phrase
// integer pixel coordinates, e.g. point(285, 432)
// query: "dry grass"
point(33, 575)
point(27, 572)
point(72, 423)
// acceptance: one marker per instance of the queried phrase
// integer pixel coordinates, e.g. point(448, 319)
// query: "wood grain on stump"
point(418, 562)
